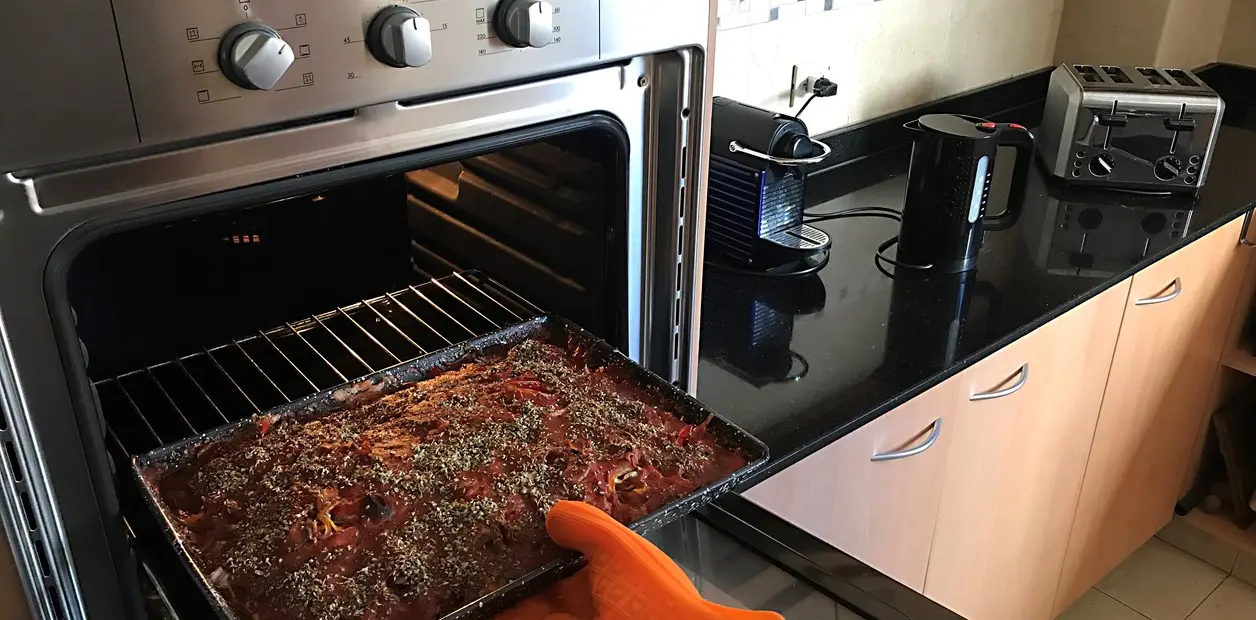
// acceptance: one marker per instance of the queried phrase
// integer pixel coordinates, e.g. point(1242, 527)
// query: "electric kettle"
point(948, 188)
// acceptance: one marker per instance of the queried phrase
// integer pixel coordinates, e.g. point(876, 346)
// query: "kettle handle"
point(1019, 138)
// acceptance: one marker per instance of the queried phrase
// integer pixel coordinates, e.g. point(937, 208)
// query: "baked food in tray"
point(412, 500)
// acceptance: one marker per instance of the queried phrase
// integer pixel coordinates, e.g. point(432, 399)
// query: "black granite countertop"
point(800, 363)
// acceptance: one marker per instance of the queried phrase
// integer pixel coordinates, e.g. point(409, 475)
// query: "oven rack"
point(161, 404)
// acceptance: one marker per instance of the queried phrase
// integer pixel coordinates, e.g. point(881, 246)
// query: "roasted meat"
point(428, 498)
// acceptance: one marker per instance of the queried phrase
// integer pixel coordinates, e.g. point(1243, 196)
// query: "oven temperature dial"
point(254, 56)
point(525, 23)
point(399, 37)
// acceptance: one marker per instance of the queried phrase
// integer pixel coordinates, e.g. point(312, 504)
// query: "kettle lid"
point(954, 125)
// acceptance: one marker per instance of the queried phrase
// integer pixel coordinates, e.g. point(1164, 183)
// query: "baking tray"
point(552, 329)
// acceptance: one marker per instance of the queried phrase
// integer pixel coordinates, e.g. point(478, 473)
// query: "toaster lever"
point(1113, 120)
point(1180, 124)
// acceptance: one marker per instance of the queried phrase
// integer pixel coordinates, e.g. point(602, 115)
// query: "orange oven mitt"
point(627, 577)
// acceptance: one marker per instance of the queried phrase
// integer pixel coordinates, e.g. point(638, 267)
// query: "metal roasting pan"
point(148, 468)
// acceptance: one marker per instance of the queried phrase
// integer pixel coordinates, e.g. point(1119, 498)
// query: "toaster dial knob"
point(1102, 165)
point(525, 23)
point(254, 56)
point(399, 37)
point(1168, 168)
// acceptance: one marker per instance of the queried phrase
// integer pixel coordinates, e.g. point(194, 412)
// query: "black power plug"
point(822, 87)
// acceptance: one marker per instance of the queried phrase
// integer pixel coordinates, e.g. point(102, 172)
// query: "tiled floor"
point(1163, 582)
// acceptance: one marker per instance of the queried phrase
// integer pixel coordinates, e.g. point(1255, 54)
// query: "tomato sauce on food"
point(435, 495)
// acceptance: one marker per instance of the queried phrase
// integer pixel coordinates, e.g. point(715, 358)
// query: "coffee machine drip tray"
point(800, 238)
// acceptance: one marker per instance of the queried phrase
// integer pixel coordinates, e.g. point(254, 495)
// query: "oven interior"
point(191, 323)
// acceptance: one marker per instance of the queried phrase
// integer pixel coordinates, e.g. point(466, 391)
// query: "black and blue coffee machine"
point(756, 188)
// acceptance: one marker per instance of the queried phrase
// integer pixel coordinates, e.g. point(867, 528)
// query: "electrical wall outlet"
point(802, 79)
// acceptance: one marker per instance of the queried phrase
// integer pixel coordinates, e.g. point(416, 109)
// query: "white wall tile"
point(732, 65)
point(992, 40)
point(901, 55)
point(885, 56)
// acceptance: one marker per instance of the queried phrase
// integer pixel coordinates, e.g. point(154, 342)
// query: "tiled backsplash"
point(885, 55)
point(739, 13)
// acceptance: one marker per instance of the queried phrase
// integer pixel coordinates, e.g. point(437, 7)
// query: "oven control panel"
point(202, 67)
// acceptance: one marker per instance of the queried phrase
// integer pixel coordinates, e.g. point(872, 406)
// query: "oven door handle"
point(825, 150)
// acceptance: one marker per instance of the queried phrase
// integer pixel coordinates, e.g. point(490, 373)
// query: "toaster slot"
point(1088, 74)
point(1117, 74)
point(1182, 78)
point(1153, 76)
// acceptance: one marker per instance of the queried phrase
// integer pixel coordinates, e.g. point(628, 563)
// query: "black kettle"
point(948, 186)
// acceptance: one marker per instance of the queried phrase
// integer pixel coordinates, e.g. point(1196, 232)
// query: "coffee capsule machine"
point(756, 189)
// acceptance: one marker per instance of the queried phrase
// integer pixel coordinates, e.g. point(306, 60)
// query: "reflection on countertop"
point(800, 363)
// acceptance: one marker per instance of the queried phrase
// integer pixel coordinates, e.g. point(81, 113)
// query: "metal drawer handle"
point(1247, 223)
point(1007, 391)
point(894, 456)
point(736, 147)
point(1151, 301)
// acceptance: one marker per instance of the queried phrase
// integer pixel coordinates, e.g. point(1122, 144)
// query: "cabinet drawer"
point(1022, 434)
point(874, 493)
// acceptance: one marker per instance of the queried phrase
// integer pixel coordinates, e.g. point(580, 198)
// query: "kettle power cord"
point(881, 212)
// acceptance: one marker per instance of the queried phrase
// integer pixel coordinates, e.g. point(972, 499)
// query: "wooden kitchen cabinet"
point(1166, 360)
point(879, 511)
point(1020, 440)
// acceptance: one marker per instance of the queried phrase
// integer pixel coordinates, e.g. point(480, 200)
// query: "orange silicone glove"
point(627, 578)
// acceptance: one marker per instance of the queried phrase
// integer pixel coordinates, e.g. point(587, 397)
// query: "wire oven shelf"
point(164, 403)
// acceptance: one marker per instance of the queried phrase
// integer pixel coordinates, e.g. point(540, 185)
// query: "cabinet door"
point(1018, 454)
point(874, 493)
point(1166, 360)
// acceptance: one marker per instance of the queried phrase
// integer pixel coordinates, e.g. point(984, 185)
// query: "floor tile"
point(1245, 568)
point(1095, 605)
point(1199, 543)
point(1232, 601)
point(1161, 581)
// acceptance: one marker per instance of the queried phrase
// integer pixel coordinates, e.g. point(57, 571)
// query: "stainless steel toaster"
point(1145, 128)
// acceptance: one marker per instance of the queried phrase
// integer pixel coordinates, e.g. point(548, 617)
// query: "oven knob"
point(399, 37)
point(525, 23)
point(1102, 165)
point(1168, 168)
point(254, 56)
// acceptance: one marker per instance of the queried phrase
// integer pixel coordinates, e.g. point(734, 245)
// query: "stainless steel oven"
point(210, 206)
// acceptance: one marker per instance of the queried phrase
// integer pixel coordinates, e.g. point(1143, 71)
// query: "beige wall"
point(1239, 44)
point(885, 56)
point(1166, 33)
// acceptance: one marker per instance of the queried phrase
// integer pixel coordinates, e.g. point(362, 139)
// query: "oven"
point(212, 207)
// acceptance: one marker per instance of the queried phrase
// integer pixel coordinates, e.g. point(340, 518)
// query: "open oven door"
point(62, 512)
